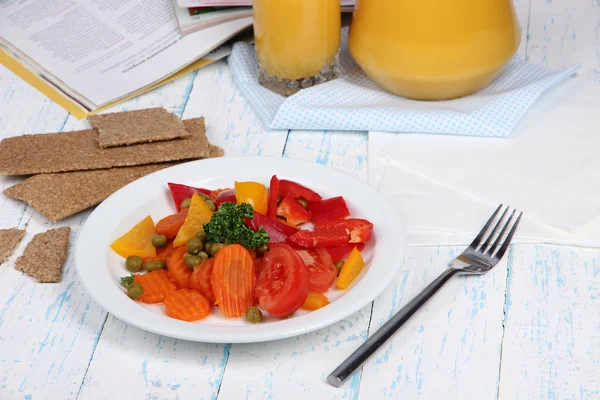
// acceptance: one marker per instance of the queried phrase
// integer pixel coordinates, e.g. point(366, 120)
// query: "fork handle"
point(360, 355)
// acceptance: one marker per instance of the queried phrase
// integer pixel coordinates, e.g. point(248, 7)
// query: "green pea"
point(135, 291)
point(194, 246)
point(202, 236)
point(185, 203)
point(134, 264)
point(155, 265)
point(186, 255)
point(203, 196)
point(261, 250)
point(253, 315)
point(339, 266)
point(214, 249)
point(159, 240)
point(207, 247)
point(203, 256)
point(303, 201)
point(211, 205)
point(192, 261)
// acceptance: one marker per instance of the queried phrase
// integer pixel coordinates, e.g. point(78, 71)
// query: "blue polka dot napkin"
point(353, 102)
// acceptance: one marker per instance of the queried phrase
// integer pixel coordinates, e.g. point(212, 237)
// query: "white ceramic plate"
point(99, 268)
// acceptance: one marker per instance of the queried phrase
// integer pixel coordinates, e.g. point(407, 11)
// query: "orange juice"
point(296, 39)
point(433, 49)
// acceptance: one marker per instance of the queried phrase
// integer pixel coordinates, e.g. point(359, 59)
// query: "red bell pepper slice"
point(310, 239)
point(226, 196)
point(181, 192)
point(296, 190)
point(278, 231)
point(273, 197)
point(330, 208)
point(359, 230)
point(342, 252)
point(293, 212)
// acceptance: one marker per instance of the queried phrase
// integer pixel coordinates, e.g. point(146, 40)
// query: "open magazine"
point(197, 18)
point(87, 55)
point(208, 3)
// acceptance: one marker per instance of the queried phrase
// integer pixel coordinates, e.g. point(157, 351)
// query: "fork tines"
point(493, 237)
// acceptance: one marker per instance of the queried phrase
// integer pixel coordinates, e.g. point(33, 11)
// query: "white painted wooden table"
point(528, 330)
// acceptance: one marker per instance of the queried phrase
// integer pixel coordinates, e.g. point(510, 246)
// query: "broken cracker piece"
point(9, 240)
point(139, 126)
point(79, 151)
point(45, 255)
point(57, 196)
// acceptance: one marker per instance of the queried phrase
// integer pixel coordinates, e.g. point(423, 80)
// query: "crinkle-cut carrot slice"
point(138, 241)
point(198, 215)
point(170, 225)
point(233, 280)
point(187, 305)
point(179, 273)
point(200, 280)
point(156, 286)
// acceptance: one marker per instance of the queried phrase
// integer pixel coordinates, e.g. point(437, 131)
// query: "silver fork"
point(477, 259)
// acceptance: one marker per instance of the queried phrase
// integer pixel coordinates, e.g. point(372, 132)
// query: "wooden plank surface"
point(528, 330)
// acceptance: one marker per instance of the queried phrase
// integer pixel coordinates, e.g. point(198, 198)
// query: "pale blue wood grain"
point(551, 342)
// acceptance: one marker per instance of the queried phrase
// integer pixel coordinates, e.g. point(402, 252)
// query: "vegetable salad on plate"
point(247, 250)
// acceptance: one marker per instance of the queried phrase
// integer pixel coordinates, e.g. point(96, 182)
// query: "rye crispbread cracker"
point(9, 240)
point(139, 126)
point(45, 255)
point(79, 150)
point(57, 196)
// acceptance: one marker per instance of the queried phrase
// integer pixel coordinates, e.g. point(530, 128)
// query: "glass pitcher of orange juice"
point(433, 49)
point(297, 42)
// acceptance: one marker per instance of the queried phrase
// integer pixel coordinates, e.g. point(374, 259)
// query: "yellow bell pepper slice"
point(138, 241)
point(314, 301)
point(253, 193)
point(352, 267)
point(198, 215)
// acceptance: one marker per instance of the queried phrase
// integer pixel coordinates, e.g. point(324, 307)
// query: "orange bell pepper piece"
point(138, 241)
point(352, 267)
point(198, 215)
point(253, 193)
point(314, 301)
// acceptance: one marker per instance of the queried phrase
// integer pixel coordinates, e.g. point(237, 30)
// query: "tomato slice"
point(293, 212)
point(330, 208)
point(283, 283)
point(181, 192)
point(278, 232)
point(273, 196)
point(296, 190)
point(321, 270)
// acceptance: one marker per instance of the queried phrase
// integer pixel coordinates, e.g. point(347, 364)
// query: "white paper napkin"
point(446, 187)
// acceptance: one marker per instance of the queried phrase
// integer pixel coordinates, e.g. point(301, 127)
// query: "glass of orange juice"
point(433, 49)
point(297, 43)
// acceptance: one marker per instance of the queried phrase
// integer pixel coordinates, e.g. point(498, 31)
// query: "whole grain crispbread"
point(79, 150)
point(45, 255)
point(9, 240)
point(61, 195)
point(138, 126)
